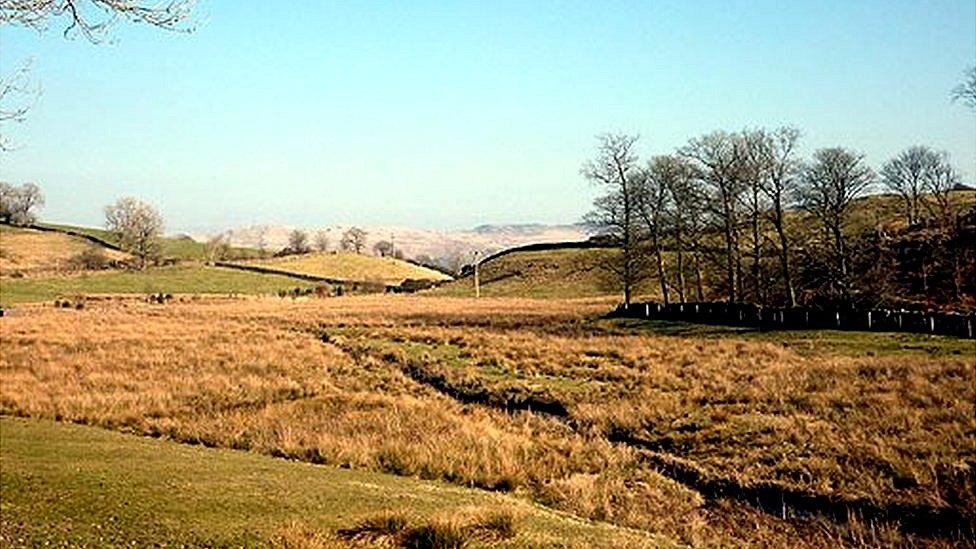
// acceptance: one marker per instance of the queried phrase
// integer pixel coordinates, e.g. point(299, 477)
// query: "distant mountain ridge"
point(447, 248)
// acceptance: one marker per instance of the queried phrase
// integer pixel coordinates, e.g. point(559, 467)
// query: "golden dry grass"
point(27, 252)
point(342, 381)
point(351, 266)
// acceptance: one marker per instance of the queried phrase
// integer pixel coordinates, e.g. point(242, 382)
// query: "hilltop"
point(350, 266)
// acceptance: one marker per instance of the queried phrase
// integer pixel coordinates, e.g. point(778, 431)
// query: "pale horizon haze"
point(451, 115)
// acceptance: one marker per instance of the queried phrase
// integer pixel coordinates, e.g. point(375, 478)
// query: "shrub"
point(92, 258)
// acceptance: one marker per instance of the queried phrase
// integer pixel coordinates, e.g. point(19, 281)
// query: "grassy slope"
point(539, 274)
point(86, 486)
point(350, 266)
point(30, 252)
point(174, 247)
point(176, 280)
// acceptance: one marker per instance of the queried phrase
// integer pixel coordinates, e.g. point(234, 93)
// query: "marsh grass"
point(328, 381)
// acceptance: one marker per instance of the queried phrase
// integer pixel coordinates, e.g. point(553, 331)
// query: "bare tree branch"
point(92, 18)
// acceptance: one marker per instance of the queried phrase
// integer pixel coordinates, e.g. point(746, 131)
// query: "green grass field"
point(181, 279)
point(73, 485)
point(172, 247)
point(350, 266)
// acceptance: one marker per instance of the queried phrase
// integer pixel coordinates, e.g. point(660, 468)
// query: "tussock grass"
point(445, 531)
point(328, 381)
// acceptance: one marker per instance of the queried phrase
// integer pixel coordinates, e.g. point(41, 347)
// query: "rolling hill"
point(555, 273)
point(351, 266)
point(180, 247)
point(29, 252)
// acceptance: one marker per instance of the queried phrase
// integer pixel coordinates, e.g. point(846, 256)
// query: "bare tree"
point(322, 241)
point(686, 218)
point(19, 205)
point(830, 184)
point(383, 248)
point(940, 179)
point(781, 168)
point(615, 169)
point(906, 175)
point(753, 168)
point(217, 248)
point(91, 19)
point(17, 95)
point(353, 240)
point(653, 204)
point(718, 159)
point(298, 242)
point(137, 227)
point(965, 92)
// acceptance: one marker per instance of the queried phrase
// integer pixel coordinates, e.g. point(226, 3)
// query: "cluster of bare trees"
point(19, 203)
point(742, 216)
point(353, 240)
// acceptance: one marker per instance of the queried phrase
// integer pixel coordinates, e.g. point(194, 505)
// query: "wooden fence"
point(805, 318)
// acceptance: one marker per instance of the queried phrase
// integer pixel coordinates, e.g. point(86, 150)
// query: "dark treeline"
point(742, 217)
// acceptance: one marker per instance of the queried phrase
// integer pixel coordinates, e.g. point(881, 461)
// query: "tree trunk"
point(757, 250)
point(784, 254)
point(660, 264)
point(696, 256)
point(841, 260)
point(681, 273)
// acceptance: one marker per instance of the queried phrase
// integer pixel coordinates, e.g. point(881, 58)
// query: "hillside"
point(180, 279)
point(29, 252)
point(559, 273)
point(174, 247)
point(351, 266)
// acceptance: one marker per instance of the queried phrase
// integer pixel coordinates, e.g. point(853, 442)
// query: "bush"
point(92, 258)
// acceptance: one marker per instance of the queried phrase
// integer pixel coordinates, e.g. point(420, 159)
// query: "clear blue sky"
point(450, 114)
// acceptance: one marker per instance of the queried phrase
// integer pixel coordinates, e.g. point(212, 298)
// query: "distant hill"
point(351, 266)
point(449, 249)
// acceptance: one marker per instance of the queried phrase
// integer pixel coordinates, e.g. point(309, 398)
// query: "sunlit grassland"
point(351, 266)
point(86, 486)
point(450, 389)
point(549, 274)
point(179, 279)
point(30, 252)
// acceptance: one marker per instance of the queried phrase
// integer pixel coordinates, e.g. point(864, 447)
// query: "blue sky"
point(452, 114)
